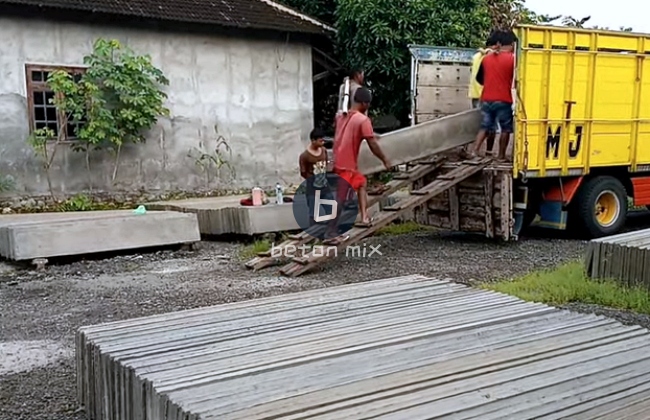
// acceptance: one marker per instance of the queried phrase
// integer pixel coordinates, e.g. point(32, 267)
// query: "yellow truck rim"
point(608, 208)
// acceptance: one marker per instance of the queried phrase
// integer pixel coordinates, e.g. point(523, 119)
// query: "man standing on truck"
point(496, 74)
point(475, 89)
point(351, 130)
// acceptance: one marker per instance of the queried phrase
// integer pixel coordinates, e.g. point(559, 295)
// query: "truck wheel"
point(601, 206)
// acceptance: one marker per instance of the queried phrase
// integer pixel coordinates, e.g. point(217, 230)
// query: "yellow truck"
point(582, 132)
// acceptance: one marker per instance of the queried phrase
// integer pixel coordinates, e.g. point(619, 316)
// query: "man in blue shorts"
point(496, 74)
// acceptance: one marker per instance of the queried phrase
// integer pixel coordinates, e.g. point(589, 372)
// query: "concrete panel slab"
point(225, 216)
point(400, 348)
point(46, 235)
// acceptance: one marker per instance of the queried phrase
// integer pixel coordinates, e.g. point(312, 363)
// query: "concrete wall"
point(258, 93)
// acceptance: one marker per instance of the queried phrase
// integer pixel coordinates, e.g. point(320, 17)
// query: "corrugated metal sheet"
point(624, 257)
point(402, 348)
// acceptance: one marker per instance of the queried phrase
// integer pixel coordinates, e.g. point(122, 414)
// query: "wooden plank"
point(454, 210)
point(442, 100)
point(447, 75)
point(489, 190)
point(506, 206)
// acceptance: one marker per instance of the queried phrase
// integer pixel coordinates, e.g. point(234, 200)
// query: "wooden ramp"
point(317, 256)
point(409, 348)
point(419, 170)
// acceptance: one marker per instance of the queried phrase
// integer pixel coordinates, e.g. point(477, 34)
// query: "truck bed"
point(584, 101)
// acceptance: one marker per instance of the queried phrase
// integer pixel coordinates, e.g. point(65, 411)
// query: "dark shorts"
point(476, 104)
point(497, 113)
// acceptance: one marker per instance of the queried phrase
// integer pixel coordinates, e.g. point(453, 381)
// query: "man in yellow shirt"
point(475, 89)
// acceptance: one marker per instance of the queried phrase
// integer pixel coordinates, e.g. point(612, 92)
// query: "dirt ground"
point(42, 310)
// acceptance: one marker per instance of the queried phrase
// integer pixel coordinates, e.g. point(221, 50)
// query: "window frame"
point(35, 86)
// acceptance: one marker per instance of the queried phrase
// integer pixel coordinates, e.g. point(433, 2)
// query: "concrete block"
point(46, 235)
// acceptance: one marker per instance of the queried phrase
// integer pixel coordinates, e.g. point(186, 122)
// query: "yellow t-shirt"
point(475, 89)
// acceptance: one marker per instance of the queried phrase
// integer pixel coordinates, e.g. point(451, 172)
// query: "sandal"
point(336, 241)
point(368, 223)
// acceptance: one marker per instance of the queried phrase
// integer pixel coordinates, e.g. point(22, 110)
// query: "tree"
point(320, 9)
point(115, 101)
point(374, 34)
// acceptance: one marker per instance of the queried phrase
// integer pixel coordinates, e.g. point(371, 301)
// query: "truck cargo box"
point(584, 101)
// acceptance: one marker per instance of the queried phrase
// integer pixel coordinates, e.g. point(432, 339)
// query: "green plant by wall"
point(79, 202)
point(114, 102)
point(211, 160)
point(6, 183)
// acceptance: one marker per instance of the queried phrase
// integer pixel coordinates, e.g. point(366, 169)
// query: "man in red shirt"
point(496, 75)
point(351, 130)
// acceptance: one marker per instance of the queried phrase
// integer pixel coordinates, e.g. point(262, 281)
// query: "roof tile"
point(244, 14)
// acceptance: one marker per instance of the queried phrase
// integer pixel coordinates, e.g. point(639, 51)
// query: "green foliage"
point(252, 250)
point(113, 102)
point(213, 160)
point(117, 98)
point(322, 10)
point(6, 183)
point(79, 202)
point(374, 34)
point(405, 228)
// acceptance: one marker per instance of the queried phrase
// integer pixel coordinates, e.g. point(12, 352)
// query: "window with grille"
point(42, 112)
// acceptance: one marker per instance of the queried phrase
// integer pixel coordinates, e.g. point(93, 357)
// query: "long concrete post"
point(422, 140)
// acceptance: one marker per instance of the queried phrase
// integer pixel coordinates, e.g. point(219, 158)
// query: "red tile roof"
point(243, 14)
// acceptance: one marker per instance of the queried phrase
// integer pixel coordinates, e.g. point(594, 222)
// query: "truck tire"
point(601, 206)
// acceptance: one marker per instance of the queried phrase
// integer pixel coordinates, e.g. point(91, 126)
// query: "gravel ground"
point(42, 310)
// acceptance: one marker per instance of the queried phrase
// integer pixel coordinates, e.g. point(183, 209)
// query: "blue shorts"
point(497, 112)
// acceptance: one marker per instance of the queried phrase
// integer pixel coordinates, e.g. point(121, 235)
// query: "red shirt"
point(351, 130)
point(498, 71)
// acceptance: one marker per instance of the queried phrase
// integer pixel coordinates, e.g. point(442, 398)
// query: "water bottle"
point(278, 193)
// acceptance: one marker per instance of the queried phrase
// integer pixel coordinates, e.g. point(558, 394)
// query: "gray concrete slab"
point(46, 235)
point(400, 348)
point(423, 140)
point(224, 215)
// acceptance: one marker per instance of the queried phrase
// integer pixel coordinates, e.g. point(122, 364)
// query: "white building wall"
point(258, 94)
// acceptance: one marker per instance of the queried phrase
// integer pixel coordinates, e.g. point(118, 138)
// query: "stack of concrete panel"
point(402, 348)
point(224, 215)
point(46, 235)
point(624, 257)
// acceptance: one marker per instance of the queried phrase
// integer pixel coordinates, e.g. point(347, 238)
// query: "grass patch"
point(402, 229)
point(250, 251)
point(569, 284)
